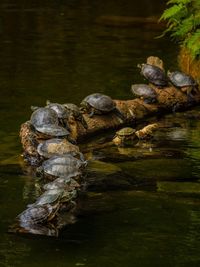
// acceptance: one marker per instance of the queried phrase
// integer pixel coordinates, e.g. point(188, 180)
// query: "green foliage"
point(183, 23)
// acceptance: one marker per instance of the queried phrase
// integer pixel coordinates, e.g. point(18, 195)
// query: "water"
point(62, 51)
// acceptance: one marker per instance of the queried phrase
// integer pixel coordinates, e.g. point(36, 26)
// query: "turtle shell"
point(59, 109)
point(62, 166)
point(45, 120)
point(44, 116)
point(37, 214)
point(100, 102)
point(72, 108)
point(143, 90)
point(56, 184)
point(180, 79)
point(50, 196)
point(127, 131)
point(154, 74)
point(56, 146)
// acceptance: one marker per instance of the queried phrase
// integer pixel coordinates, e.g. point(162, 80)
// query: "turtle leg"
point(91, 114)
point(34, 108)
point(119, 114)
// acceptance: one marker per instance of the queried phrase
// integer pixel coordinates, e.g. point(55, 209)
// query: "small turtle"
point(74, 111)
point(145, 92)
point(56, 146)
point(45, 121)
point(100, 104)
point(183, 81)
point(38, 214)
point(61, 112)
point(153, 74)
point(124, 135)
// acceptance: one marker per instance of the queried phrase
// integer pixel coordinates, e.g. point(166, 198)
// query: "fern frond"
point(193, 43)
point(173, 11)
point(184, 2)
point(185, 27)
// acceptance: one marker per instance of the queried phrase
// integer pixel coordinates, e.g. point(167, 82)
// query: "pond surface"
point(62, 51)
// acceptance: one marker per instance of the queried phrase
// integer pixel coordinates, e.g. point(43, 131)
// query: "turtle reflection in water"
point(124, 136)
point(97, 104)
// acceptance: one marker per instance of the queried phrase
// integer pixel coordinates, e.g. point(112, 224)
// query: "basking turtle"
point(145, 92)
point(74, 111)
point(38, 214)
point(45, 121)
point(61, 112)
point(124, 135)
point(52, 196)
point(62, 166)
point(183, 81)
point(100, 104)
point(56, 146)
point(65, 183)
point(153, 74)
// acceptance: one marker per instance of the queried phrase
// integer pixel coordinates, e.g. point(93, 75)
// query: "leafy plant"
point(183, 23)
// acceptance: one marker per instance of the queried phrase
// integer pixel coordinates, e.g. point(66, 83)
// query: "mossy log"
point(134, 110)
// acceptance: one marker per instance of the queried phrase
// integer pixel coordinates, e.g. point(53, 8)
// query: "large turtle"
point(183, 81)
point(36, 214)
point(100, 104)
point(45, 121)
point(124, 135)
point(57, 146)
point(62, 166)
point(74, 112)
point(153, 74)
point(145, 92)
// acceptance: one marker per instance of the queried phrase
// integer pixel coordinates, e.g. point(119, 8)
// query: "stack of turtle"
point(60, 159)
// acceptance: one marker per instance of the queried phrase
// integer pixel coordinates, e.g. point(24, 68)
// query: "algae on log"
point(134, 110)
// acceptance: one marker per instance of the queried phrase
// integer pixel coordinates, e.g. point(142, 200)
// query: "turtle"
point(66, 183)
point(62, 166)
point(183, 81)
point(100, 104)
point(124, 135)
point(36, 214)
point(52, 196)
point(74, 111)
point(145, 92)
point(57, 146)
point(154, 74)
point(45, 121)
point(61, 112)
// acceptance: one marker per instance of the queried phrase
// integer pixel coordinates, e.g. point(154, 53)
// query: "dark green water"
point(59, 50)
